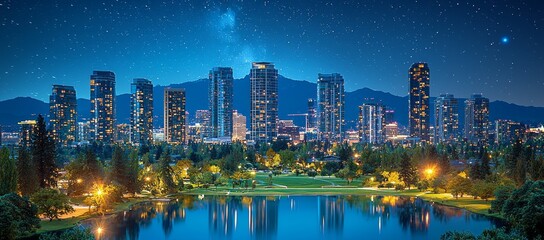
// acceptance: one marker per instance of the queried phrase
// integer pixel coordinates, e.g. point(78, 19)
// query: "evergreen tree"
point(8, 173)
point(485, 170)
point(43, 155)
point(27, 178)
point(132, 174)
point(119, 167)
point(93, 169)
point(407, 173)
point(166, 173)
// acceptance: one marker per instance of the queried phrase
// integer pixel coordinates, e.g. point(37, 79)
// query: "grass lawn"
point(303, 181)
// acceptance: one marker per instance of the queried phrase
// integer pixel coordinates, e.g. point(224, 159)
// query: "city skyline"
point(482, 53)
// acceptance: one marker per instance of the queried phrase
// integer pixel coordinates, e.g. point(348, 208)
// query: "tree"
point(287, 158)
point(51, 203)
point(119, 167)
point(44, 155)
point(103, 196)
point(483, 189)
point(27, 178)
point(75, 233)
point(524, 209)
point(407, 173)
point(166, 174)
point(453, 235)
point(133, 170)
point(8, 173)
point(18, 217)
point(501, 193)
point(459, 186)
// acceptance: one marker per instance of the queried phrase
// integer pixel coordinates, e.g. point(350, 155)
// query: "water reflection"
point(331, 215)
point(285, 217)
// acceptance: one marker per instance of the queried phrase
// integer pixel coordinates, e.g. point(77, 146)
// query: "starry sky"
point(490, 47)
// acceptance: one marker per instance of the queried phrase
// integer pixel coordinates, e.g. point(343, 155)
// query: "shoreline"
point(466, 203)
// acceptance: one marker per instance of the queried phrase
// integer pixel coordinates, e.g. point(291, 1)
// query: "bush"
point(189, 186)
point(312, 173)
point(389, 185)
point(399, 187)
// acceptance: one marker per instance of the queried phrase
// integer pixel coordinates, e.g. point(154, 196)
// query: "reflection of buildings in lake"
point(171, 212)
point(223, 216)
point(263, 217)
point(331, 214)
point(414, 214)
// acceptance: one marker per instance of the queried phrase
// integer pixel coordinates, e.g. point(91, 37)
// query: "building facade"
point(330, 107)
point(372, 123)
point(239, 128)
point(220, 102)
point(141, 112)
point(264, 102)
point(203, 119)
point(446, 119)
point(418, 101)
point(477, 119)
point(174, 115)
point(312, 114)
point(103, 107)
point(25, 134)
point(63, 114)
point(507, 132)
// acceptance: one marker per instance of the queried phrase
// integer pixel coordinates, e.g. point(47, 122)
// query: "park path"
point(323, 180)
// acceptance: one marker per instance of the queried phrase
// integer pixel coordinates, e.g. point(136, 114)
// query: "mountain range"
point(293, 97)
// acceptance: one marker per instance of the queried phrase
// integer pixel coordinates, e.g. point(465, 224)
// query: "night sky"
point(490, 47)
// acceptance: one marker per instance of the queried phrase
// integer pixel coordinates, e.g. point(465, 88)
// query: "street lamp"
point(79, 180)
point(99, 231)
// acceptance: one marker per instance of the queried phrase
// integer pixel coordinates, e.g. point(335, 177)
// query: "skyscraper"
point(27, 130)
point(239, 127)
point(202, 118)
point(264, 102)
point(103, 106)
point(312, 114)
point(330, 106)
point(446, 119)
point(220, 96)
point(63, 114)
point(477, 119)
point(371, 123)
point(418, 101)
point(174, 115)
point(141, 112)
point(507, 132)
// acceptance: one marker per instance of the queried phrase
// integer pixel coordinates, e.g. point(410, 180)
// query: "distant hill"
point(293, 96)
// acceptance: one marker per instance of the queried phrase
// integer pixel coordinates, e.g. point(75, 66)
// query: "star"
point(505, 40)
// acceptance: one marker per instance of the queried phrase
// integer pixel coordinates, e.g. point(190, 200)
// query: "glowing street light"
point(99, 192)
point(147, 179)
point(79, 180)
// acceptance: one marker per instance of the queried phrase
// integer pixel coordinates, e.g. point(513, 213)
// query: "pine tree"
point(407, 173)
point(485, 170)
point(8, 173)
point(119, 167)
point(93, 168)
point(132, 174)
point(27, 178)
point(166, 173)
point(44, 154)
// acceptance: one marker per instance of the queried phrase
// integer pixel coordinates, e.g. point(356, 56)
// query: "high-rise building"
point(220, 97)
point(418, 101)
point(26, 132)
point(103, 106)
point(203, 118)
point(83, 131)
point(264, 102)
point(141, 112)
point(239, 127)
point(63, 114)
point(330, 107)
point(312, 114)
point(174, 115)
point(389, 116)
point(371, 123)
point(477, 119)
point(446, 118)
point(507, 132)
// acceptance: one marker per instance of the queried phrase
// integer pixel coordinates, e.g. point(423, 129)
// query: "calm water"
point(309, 217)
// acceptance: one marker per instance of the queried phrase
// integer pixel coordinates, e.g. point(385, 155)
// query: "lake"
point(287, 217)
